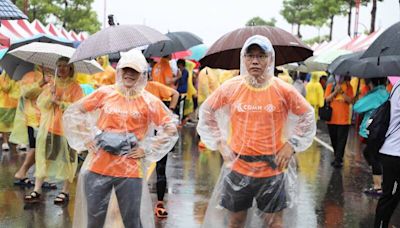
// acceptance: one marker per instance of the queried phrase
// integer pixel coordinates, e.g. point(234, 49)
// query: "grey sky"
point(210, 19)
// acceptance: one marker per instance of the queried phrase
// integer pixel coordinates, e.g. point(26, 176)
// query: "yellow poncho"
point(9, 93)
point(315, 92)
point(28, 114)
point(207, 83)
point(107, 77)
point(191, 90)
point(54, 158)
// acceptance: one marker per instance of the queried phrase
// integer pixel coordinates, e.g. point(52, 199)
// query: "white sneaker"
point(5, 146)
point(22, 147)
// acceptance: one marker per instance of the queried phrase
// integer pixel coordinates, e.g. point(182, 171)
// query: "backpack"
point(378, 124)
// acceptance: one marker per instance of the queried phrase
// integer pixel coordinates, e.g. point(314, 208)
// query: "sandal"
point(33, 197)
point(24, 182)
point(48, 185)
point(160, 211)
point(61, 198)
point(373, 191)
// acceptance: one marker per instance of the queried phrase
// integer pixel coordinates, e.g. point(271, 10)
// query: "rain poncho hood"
point(250, 125)
point(112, 123)
point(107, 77)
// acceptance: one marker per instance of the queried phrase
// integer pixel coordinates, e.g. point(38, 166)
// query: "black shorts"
point(31, 137)
point(238, 192)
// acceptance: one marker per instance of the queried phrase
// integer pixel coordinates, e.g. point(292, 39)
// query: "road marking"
point(324, 144)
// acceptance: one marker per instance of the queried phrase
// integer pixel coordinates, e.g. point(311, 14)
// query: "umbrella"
point(225, 52)
point(198, 52)
point(322, 61)
point(116, 38)
point(15, 67)
point(374, 67)
point(296, 67)
point(179, 41)
point(393, 79)
point(38, 38)
point(47, 54)
point(9, 11)
point(387, 44)
point(342, 64)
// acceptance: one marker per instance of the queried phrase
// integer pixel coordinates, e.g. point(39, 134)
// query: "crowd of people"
point(120, 120)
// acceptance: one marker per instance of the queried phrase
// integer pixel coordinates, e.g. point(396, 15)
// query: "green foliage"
point(74, 15)
point(259, 21)
point(317, 39)
point(296, 11)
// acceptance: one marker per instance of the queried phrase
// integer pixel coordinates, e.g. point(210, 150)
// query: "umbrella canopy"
point(116, 38)
point(386, 44)
point(43, 38)
point(342, 64)
point(322, 61)
point(374, 67)
point(9, 11)
point(47, 54)
point(300, 67)
point(225, 52)
point(179, 41)
point(198, 52)
point(15, 67)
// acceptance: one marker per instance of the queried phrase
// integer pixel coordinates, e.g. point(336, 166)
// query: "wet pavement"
point(327, 197)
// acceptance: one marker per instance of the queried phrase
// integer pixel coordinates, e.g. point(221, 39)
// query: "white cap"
point(133, 59)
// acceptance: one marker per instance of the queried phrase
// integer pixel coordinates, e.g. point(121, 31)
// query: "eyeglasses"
point(250, 57)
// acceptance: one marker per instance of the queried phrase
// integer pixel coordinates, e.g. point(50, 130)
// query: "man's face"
point(129, 77)
point(64, 69)
point(256, 61)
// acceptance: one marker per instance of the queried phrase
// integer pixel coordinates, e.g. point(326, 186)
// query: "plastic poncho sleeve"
point(165, 123)
point(304, 129)
point(207, 126)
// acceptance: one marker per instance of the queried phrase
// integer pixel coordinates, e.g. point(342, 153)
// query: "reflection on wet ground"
point(327, 197)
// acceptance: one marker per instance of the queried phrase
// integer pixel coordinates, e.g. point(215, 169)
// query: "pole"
point(105, 14)
point(357, 14)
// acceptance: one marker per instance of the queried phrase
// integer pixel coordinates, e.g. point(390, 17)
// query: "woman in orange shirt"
point(53, 156)
point(340, 96)
point(116, 124)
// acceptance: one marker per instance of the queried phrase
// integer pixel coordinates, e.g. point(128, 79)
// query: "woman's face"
point(63, 70)
point(129, 77)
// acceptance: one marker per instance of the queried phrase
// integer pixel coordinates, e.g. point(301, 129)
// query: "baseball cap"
point(261, 41)
point(133, 59)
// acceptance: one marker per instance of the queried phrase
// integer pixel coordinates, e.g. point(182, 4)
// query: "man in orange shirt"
point(162, 72)
point(247, 118)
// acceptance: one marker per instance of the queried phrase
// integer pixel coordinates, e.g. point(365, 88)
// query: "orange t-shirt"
point(159, 90)
point(340, 108)
point(122, 114)
point(68, 95)
point(162, 72)
point(258, 118)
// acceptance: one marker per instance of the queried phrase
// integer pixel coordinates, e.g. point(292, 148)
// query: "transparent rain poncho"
point(253, 123)
point(113, 123)
point(54, 158)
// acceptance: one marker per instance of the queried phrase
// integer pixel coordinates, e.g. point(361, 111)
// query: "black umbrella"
point(180, 41)
point(342, 64)
point(15, 67)
point(386, 44)
point(9, 11)
point(375, 67)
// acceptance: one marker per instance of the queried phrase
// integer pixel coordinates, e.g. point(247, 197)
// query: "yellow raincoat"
point(315, 92)
point(28, 114)
point(207, 83)
point(191, 90)
point(54, 158)
point(107, 77)
point(226, 75)
point(9, 93)
point(285, 76)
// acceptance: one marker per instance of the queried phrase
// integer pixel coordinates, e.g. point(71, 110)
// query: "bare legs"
point(238, 219)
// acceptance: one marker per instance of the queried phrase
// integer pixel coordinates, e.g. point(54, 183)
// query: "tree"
point(297, 12)
point(326, 10)
point(74, 15)
point(259, 21)
point(373, 15)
